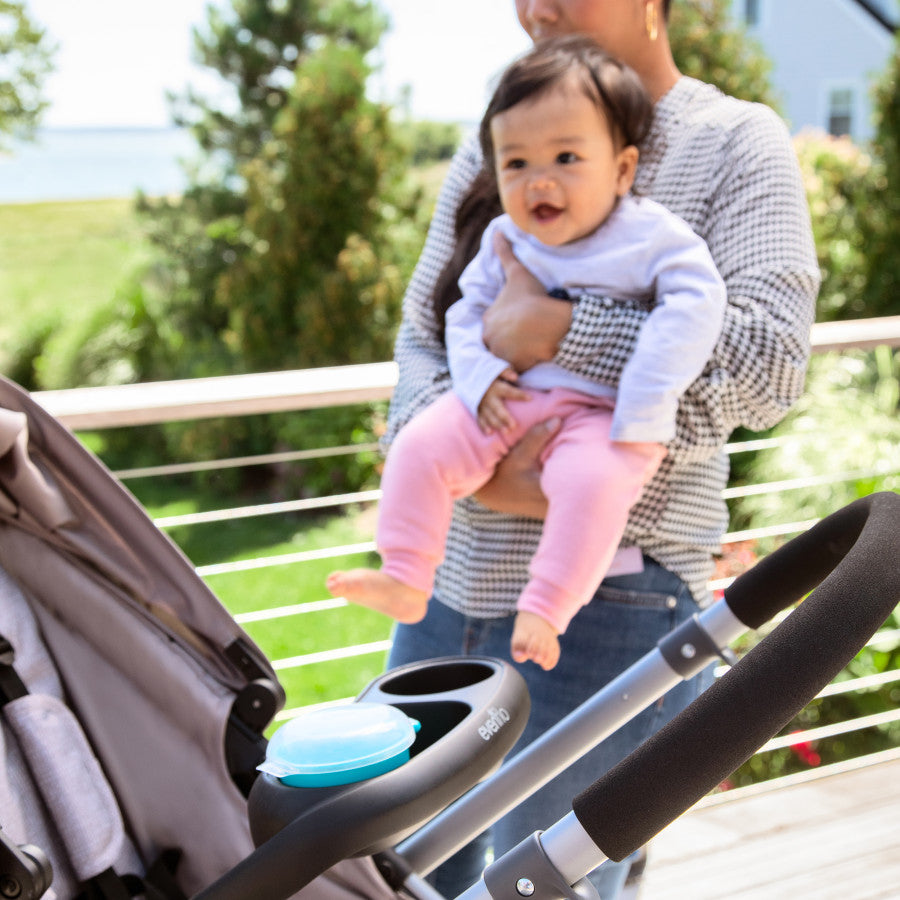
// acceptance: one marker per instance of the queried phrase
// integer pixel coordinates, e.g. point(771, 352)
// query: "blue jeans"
point(626, 617)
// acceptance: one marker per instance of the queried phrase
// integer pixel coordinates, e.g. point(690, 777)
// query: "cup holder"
point(436, 678)
point(471, 712)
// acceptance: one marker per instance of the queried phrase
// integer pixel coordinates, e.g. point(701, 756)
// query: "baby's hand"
point(493, 414)
point(536, 639)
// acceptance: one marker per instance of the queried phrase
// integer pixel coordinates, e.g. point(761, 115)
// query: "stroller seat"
point(115, 637)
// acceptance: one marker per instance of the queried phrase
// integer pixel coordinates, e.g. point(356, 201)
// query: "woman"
point(727, 167)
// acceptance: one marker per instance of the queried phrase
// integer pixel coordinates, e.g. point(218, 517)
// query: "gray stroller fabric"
point(352, 879)
point(138, 640)
point(27, 488)
point(53, 792)
point(117, 753)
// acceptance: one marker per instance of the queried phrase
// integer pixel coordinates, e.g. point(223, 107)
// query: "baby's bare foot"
point(534, 639)
point(546, 655)
point(381, 592)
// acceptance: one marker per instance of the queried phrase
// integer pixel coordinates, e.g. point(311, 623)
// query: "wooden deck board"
point(831, 838)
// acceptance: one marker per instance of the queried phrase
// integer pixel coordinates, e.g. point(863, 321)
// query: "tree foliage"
point(842, 182)
point(292, 244)
point(430, 141)
point(854, 199)
point(286, 250)
point(26, 55)
point(880, 226)
point(709, 45)
point(316, 278)
point(255, 47)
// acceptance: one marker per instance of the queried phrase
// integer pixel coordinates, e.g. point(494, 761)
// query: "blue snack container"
point(340, 745)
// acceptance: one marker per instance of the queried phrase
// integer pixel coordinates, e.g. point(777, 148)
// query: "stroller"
point(134, 707)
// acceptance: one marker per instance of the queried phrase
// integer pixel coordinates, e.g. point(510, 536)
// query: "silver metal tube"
point(582, 730)
point(571, 850)
point(478, 891)
point(568, 848)
point(539, 762)
point(721, 624)
point(420, 889)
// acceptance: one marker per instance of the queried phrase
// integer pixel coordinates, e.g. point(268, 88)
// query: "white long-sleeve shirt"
point(643, 256)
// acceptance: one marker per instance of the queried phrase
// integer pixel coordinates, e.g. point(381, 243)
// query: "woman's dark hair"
point(616, 90)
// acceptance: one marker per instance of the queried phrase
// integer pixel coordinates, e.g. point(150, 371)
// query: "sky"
point(116, 58)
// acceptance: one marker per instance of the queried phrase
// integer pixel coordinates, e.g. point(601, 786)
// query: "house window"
point(840, 111)
point(751, 12)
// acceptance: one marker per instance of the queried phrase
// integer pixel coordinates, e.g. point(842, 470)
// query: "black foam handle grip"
point(792, 571)
point(853, 558)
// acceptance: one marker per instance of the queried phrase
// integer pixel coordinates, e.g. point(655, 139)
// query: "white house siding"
point(817, 46)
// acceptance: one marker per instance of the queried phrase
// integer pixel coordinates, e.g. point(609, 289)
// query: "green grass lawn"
point(64, 259)
point(282, 585)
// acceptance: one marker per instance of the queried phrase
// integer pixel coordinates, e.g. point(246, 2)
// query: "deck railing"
point(138, 404)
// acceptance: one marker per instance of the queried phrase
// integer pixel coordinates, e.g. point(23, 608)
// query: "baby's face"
point(558, 169)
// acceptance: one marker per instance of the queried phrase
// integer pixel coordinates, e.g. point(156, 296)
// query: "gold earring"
point(651, 21)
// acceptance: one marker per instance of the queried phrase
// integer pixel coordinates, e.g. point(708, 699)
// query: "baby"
point(561, 135)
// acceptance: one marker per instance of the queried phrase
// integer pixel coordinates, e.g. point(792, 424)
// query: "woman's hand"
point(515, 487)
point(523, 325)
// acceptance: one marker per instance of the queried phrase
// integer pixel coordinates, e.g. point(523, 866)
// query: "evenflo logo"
point(495, 721)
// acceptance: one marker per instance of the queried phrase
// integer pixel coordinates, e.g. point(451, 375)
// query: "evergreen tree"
point(318, 281)
point(297, 172)
point(25, 60)
point(290, 247)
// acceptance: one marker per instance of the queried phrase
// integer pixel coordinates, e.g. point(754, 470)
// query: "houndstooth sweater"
point(728, 168)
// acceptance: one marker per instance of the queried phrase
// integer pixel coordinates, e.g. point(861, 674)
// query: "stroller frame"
point(847, 563)
point(407, 820)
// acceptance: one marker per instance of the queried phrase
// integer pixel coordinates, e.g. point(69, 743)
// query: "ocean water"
point(89, 163)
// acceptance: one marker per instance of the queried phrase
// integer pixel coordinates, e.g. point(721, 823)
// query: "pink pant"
point(590, 483)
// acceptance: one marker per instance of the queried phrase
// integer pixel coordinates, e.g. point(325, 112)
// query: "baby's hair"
point(620, 98)
point(615, 88)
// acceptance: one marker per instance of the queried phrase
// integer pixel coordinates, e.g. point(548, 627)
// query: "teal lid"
point(340, 745)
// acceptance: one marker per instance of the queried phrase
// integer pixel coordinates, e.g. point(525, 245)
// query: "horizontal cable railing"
point(241, 462)
point(267, 509)
point(235, 395)
point(309, 659)
point(139, 404)
point(283, 559)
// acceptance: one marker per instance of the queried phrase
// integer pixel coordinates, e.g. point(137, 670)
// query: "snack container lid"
point(340, 744)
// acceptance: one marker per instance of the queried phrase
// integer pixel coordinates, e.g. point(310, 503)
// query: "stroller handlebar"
point(849, 561)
